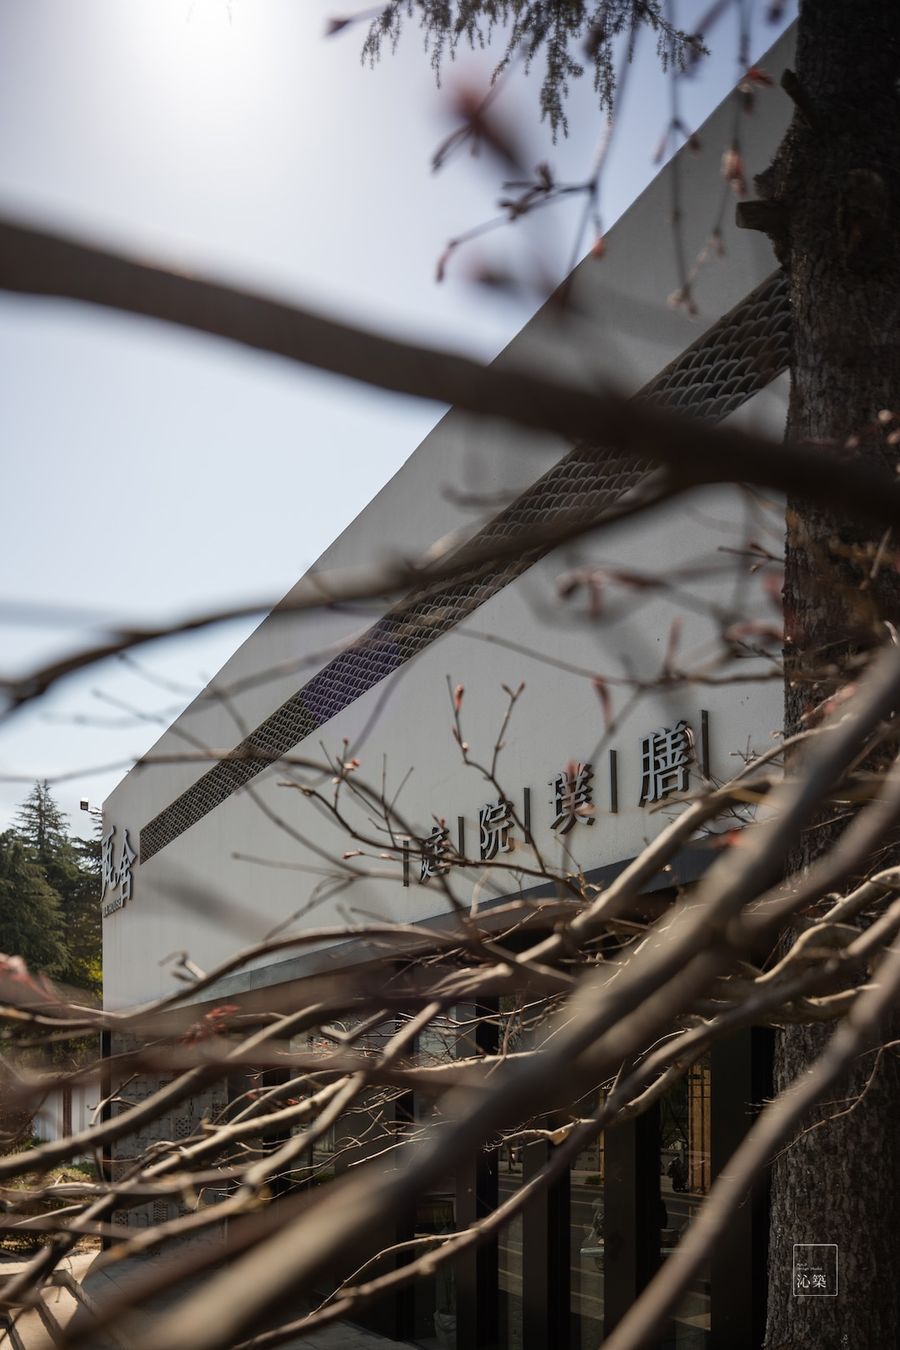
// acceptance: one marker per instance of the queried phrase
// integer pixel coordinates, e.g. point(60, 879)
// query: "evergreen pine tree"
point(41, 823)
point(72, 869)
point(81, 912)
point(31, 922)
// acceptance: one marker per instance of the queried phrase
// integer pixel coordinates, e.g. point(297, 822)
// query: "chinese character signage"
point(573, 797)
point(116, 877)
point(494, 824)
point(815, 1273)
point(662, 766)
point(666, 758)
point(435, 853)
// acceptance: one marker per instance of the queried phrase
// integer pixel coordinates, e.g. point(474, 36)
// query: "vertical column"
point(699, 1117)
point(273, 1138)
point(106, 1108)
point(631, 1226)
point(365, 1132)
point(476, 1196)
point(741, 1080)
point(105, 1159)
point(392, 1314)
point(545, 1258)
point(476, 1269)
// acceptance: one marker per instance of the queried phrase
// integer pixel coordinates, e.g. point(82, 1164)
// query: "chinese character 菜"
point(111, 875)
point(666, 757)
point(435, 853)
point(495, 822)
point(573, 797)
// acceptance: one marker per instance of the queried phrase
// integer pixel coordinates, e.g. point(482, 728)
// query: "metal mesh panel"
point(732, 361)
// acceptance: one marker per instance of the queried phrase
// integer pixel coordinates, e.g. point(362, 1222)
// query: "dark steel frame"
point(741, 1073)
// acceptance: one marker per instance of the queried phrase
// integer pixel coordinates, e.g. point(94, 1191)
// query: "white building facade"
point(212, 844)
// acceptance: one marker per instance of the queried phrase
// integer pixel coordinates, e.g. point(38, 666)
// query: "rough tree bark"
point(836, 186)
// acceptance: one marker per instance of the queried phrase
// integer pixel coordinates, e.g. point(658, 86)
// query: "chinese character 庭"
point(435, 850)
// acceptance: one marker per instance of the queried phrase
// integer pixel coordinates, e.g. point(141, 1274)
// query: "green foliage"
point(31, 923)
point(24, 1242)
point(565, 32)
point(81, 912)
point(69, 871)
point(40, 822)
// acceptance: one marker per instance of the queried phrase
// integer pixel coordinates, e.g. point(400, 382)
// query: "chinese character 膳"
point(666, 757)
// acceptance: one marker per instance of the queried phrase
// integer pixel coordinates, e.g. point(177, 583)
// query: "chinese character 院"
point(666, 756)
point(495, 822)
point(435, 851)
point(573, 797)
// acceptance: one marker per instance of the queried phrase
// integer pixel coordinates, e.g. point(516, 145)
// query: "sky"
point(149, 473)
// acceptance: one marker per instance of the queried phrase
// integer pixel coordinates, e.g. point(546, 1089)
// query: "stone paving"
point(38, 1329)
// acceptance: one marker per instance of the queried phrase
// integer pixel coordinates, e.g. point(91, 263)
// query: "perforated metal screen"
point(732, 361)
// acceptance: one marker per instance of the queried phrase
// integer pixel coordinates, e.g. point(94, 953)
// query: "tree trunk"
point(837, 176)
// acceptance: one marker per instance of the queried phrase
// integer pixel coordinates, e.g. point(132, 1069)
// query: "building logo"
point(815, 1270)
point(117, 878)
